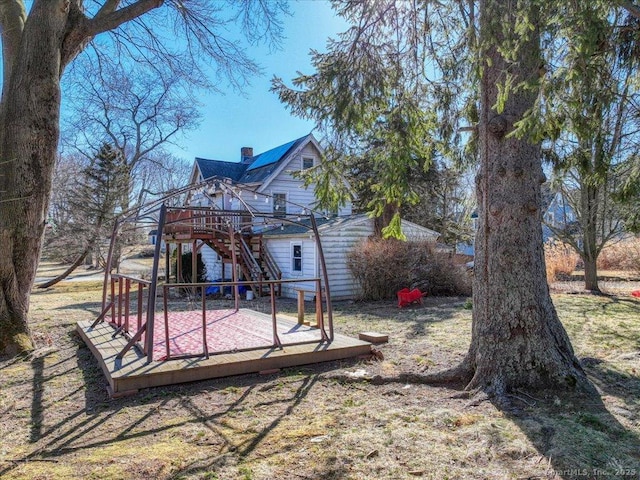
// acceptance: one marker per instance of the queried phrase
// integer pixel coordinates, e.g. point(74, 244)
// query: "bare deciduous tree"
point(36, 49)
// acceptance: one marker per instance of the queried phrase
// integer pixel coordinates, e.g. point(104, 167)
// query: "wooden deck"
point(133, 372)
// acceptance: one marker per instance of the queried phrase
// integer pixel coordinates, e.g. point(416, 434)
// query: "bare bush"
point(560, 258)
point(623, 255)
point(383, 267)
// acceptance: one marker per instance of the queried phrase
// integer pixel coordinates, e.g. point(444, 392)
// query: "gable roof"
point(261, 167)
point(274, 155)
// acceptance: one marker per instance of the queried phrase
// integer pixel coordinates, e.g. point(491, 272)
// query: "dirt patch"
point(57, 421)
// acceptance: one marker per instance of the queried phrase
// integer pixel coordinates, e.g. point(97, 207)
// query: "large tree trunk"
point(517, 338)
point(29, 125)
point(589, 207)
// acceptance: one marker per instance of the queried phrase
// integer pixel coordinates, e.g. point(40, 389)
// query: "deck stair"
point(252, 255)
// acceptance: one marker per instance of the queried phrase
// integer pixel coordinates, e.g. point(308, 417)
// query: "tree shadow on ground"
point(100, 423)
point(415, 318)
point(576, 434)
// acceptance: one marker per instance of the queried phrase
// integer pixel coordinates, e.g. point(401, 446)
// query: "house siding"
point(298, 196)
point(280, 249)
point(337, 243)
point(336, 246)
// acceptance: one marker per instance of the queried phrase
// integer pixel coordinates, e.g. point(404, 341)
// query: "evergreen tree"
point(588, 114)
point(94, 204)
point(398, 83)
point(372, 95)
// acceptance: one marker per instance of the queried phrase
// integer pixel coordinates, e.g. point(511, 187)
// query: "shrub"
point(621, 255)
point(560, 259)
point(383, 267)
point(186, 268)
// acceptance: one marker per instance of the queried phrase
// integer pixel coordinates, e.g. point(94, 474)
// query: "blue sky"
point(258, 119)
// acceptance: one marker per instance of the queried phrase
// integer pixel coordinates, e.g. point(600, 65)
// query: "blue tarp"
point(215, 289)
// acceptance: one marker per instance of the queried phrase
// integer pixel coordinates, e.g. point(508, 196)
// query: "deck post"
point(127, 288)
point(107, 268)
point(139, 322)
point(300, 307)
point(112, 284)
point(194, 266)
point(119, 302)
point(165, 307)
point(179, 278)
point(205, 346)
point(151, 305)
point(167, 262)
point(234, 269)
point(325, 277)
point(274, 321)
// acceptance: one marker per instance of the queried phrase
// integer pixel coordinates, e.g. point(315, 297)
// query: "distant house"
point(558, 214)
point(153, 238)
point(267, 183)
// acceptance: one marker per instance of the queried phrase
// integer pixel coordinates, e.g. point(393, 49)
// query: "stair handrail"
point(249, 259)
point(272, 267)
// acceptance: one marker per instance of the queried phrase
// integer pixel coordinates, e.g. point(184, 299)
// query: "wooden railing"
point(126, 292)
point(247, 256)
point(273, 286)
point(272, 267)
point(193, 222)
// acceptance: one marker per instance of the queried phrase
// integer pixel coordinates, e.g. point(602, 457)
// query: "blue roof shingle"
point(219, 168)
point(258, 170)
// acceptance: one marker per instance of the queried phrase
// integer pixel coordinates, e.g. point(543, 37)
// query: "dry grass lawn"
point(58, 423)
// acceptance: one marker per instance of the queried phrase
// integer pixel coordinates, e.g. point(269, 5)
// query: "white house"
point(267, 184)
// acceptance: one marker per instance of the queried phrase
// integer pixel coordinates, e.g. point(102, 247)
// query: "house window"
point(550, 218)
point(296, 258)
point(279, 204)
point(307, 163)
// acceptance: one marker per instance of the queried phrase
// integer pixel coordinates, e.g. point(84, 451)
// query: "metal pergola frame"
point(155, 214)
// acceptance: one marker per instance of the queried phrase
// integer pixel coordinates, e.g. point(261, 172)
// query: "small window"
point(307, 163)
point(550, 217)
point(279, 204)
point(296, 258)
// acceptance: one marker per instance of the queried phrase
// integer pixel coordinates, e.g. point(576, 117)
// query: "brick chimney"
point(246, 155)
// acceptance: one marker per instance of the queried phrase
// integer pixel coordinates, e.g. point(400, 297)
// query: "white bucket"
point(249, 295)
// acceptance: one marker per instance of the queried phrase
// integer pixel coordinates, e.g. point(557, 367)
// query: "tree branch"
point(105, 21)
point(108, 7)
point(12, 18)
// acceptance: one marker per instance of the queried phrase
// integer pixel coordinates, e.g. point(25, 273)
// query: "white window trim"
point(297, 273)
point(302, 158)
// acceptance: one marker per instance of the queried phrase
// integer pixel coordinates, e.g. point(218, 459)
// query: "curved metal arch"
point(155, 212)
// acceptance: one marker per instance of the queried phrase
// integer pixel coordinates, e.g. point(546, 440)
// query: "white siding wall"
point(285, 182)
point(337, 242)
point(336, 245)
point(293, 187)
point(281, 250)
point(212, 262)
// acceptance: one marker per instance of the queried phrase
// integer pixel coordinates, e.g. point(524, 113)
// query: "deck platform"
point(134, 372)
